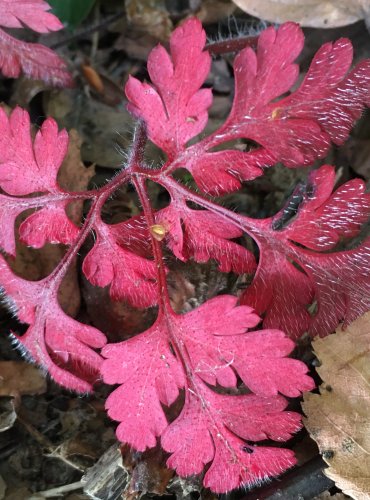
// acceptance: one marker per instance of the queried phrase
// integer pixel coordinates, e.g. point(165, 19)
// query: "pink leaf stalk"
point(228, 360)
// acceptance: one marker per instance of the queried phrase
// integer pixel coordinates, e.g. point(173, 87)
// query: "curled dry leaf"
point(150, 16)
point(339, 418)
point(313, 13)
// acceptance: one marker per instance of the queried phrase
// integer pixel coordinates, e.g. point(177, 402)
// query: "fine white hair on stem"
point(238, 28)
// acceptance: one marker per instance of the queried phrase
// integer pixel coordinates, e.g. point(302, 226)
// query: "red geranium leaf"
point(228, 168)
point(342, 286)
point(10, 208)
point(133, 234)
point(233, 466)
point(202, 235)
point(27, 168)
point(149, 370)
point(216, 350)
point(32, 13)
point(21, 294)
point(34, 60)
point(48, 225)
point(149, 375)
point(200, 359)
point(299, 128)
point(335, 286)
point(323, 217)
point(207, 431)
point(280, 292)
point(174, 109)
point(295, 130)
point(132, 277)
point(56, 342)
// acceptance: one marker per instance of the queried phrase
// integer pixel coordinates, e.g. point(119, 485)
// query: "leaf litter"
point(339, 418)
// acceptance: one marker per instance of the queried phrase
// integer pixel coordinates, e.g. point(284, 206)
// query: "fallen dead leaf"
point(150, 16)
point(213, 11)
point(25, 90)
point(313, 13)
point(18, 378)
point(136, 45)
point(339, 418)
point(73, 175)
point(149, 473)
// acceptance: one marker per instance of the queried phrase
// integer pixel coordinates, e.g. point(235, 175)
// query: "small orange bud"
point(93, 78)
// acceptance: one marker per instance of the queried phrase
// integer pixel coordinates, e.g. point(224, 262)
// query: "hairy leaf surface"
point(213, 345)
point(335, 285)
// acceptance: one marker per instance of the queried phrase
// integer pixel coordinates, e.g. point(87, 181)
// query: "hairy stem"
point(59, 272)
point(99, 198)
point(177, 191)
point(231, 45)
point(164, 300)
point(139, 175)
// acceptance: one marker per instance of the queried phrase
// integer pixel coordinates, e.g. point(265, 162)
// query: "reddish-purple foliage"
point(231, 375)
point(213, 343)
point(34, 60)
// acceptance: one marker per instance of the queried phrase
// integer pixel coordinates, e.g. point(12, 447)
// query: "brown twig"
point(88, 31)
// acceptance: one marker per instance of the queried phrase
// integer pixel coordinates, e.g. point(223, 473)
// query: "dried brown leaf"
point(18, 378)
point(213, 11)
point(313, 13)
point(339, 418)
point(151, 16)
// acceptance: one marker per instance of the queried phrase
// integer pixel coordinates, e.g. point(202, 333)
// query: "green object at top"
point(71, 12)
